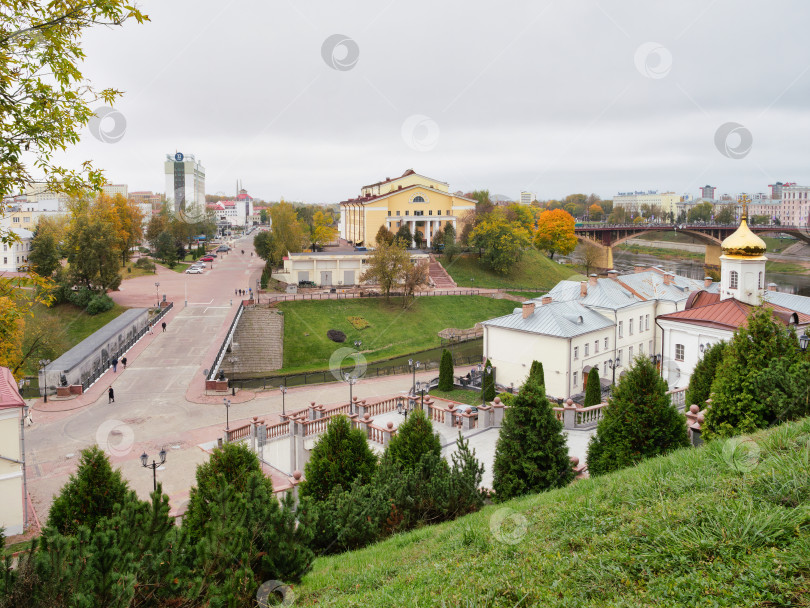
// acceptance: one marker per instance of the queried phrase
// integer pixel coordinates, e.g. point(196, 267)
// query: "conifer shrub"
point(341, 456)
point(89, 495)
point(536, 373)
point(414, 438)
point(531, 454)
point(593, 389)
point(639, 422)
point(700, 383)
point(446, 371)
point(488, 383)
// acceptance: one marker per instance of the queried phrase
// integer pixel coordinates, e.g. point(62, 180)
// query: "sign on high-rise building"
point(185, 181)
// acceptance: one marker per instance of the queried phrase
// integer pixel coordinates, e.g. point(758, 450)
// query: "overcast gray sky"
point(553, 97)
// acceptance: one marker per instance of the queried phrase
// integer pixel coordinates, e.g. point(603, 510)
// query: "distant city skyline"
point(310, 102)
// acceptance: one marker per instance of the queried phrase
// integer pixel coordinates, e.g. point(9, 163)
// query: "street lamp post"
point(42, 364)
point(414, 365)
point(227, 403)
point(352, 380)
point(157, 295)
point(154, 465)
point(804, 341)
point(283, 390)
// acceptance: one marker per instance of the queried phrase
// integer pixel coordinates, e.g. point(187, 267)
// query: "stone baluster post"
point(389, 431)
point(569, 414)
point(297, 478)
point(448, 415)
point(497, 412)
point(312, 413)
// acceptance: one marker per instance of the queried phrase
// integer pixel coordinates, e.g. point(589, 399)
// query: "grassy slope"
point(534, 271)
point(393, 331)
point(686, 530)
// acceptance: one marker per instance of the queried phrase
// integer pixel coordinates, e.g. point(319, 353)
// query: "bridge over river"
point(606, 236)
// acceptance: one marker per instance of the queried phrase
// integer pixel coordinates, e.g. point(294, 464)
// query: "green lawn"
point(459, 394)
point(785, 267)
point(70, 325)
point(677, 532)
point(534, 271)
point(667, 254)
point(393, 331)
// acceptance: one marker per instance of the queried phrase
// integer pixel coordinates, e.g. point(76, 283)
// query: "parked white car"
point(194, 270)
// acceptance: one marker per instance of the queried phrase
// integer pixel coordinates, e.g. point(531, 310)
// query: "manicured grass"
point(680, 531)
point(786, 267)
point(134, 272)
point(73, 324)
point(534, 271)
point(667, 254)
point(459, 394)
point(393, 330)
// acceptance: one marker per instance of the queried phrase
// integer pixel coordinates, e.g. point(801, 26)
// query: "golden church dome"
point(743, 243)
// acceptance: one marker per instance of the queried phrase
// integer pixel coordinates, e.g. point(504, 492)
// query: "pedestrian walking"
point(236, 292)
point(29, 420)
point(115, 364)
point(110, 395)
point(124, 362)
point(163, 325)
point(150, 326)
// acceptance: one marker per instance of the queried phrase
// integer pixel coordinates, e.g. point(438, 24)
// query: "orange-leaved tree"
point(555, 232)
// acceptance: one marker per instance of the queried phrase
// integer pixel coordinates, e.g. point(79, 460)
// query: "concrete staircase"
point(258, 343)
point(439, 276)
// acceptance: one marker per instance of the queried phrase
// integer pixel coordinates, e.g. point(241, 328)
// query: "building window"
point(619, 358)
point(641, 348)
point(586, 349)
point(418, 199)
point(759, 282)
point(397, 212)
point(621, 329)
point(640, 323)
point(596, 347)
point(575, 378)
point(649, 347)
point(606, 343)
point(406, 212)
point(630, 354)
point(733, 280)
point(630, 327)
point(16, 220)
point(646, 322)
point(576, 352)
point(679, 352)
point(605, 366)
point(430, 212)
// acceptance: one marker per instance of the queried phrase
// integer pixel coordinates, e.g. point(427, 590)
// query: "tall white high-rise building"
point(185, 181)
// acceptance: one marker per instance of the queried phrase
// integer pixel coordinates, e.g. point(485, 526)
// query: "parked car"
point(213, 254)
point(463, 409)
point(223, 248)
point(307, 284)
point(23, 268)
point(194, 270)
point(207, 258)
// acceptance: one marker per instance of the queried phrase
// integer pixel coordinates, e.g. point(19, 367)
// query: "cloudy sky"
point(310, 100)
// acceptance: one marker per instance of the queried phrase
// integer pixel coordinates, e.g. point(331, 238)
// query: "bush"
point(536, 373)
point(341, 456)
point(81, 297)
point(593, 390)
point(446, 371)
point(145, 264)
point(99, 303)
point(531, 454)
point(639, 422)
point(336, 335)
point(414, 438)
point(488, 384)
point(700, 383)
point(89, 495)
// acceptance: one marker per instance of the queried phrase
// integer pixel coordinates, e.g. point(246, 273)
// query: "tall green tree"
point(500, 242)
point(384, 235)
point(536, 373)
point(488, 383)
point(289, 234)
point(386, 266)
point(166, 249)
point(531, 454)
point(593, 390)
point(46, 99)
point(639, 422)
point(341, 456)
point(92, 244)
point(740, 399)
point(404, 236)
point(45, 246)
point(446, 371)
point(700, 383)
point(89, 495)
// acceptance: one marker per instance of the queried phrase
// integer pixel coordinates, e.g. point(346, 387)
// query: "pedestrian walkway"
point(440, 277)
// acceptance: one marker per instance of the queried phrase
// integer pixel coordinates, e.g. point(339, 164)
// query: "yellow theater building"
point(420, 202)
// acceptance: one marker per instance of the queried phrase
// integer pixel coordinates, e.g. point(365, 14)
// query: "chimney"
point(707, 281)
point(773, 287)
point(667, 279)
point(612, 274)
point(583, 289)
point(528, 309)
point(592, 279)
point(545, 300)
point(638, 268)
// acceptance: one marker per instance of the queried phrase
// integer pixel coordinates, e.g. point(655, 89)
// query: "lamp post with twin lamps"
point(352, 380)
point(157, 295)
point(414, 366)
point(227, 403)
point(43, 364)
point(613, 364)
point(153, 466)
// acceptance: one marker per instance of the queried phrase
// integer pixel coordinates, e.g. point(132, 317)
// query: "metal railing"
point(212, 375)
point(323, 376)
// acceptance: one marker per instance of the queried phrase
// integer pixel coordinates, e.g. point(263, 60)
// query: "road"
point(160, 401)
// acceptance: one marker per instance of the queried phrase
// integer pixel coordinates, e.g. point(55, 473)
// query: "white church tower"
point(742, 265)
